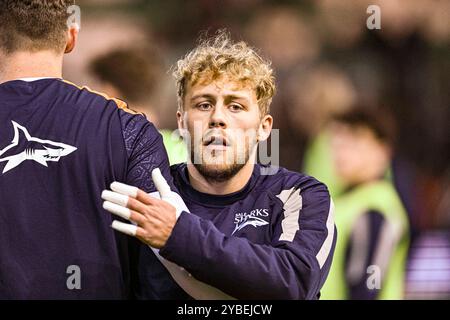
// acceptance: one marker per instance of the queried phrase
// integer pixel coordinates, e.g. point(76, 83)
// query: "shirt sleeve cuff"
point(177, 249)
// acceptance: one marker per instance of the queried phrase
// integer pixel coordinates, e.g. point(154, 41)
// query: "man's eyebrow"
point(213, 97)
point(205, 95)
point(235, 97)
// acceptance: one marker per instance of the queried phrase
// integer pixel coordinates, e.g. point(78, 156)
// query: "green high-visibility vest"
point(175, 147)
point(380, 196)
point(318, 163)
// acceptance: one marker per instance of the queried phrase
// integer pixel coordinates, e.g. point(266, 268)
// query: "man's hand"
point(153, 218)
point(153, 221)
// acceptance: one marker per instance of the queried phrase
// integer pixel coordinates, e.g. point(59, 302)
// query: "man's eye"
point(236, 108)
point(204, 106)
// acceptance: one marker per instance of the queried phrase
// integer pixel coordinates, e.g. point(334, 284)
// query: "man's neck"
point(234, 184)
point(41, 64)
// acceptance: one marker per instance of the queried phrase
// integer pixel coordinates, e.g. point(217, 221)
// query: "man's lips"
point(219, 141)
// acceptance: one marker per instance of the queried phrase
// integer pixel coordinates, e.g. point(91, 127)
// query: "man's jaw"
point(216, 161)
point(214, 173)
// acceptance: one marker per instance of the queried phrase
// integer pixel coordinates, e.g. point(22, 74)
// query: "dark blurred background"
point(325, 60)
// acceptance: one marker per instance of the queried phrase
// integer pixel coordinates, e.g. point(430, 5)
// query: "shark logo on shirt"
point(38, 150)
point(253, 218)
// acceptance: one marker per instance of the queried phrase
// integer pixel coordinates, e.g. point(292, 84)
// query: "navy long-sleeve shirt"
point(274, 239)
point(60, 146)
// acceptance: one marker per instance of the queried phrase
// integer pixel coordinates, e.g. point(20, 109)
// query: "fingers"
point(124, 189)
point(160, 183)
point(125, 228)
point(128, 229)
point(138, 206)
point(147, 212)
point(129, 208)
point(117, 210)
point(130, 191)
point(144, 197)
point(115, 197)
point(124, 213)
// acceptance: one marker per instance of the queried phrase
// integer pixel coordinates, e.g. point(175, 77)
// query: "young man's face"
point(224, 123)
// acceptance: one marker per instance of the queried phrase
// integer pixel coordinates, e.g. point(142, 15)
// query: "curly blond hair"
point(219, 57)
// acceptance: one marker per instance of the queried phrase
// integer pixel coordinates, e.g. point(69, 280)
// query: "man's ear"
point(265, 128)
point(72, 37)
point(180, 122)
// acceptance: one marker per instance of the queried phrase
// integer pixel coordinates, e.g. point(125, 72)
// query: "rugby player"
point(253, 231)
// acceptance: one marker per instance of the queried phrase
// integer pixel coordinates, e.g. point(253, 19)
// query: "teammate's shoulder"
point(137, 130)
point(118, 103)
point(281, 179)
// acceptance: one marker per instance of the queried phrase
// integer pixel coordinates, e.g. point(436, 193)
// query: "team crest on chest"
point(253, 218)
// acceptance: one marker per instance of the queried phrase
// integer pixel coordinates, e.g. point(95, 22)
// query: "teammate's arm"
point(146, 152)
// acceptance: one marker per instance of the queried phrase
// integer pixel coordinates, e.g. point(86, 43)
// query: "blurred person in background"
point(341, 24)
point(373, 225)
point(313, 106)
point(284, 28)
point(291, 29)
point(134, 74)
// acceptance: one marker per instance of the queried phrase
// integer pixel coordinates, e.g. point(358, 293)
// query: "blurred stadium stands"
point(428, 268)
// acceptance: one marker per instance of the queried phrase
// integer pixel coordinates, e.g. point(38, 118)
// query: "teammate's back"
point(60, 146)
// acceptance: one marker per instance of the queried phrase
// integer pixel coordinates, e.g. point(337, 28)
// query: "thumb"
point(161, 184)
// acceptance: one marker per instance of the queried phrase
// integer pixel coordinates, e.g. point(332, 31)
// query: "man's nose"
point(218, 117)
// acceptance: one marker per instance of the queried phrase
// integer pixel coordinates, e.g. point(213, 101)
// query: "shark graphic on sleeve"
point(45, 150)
